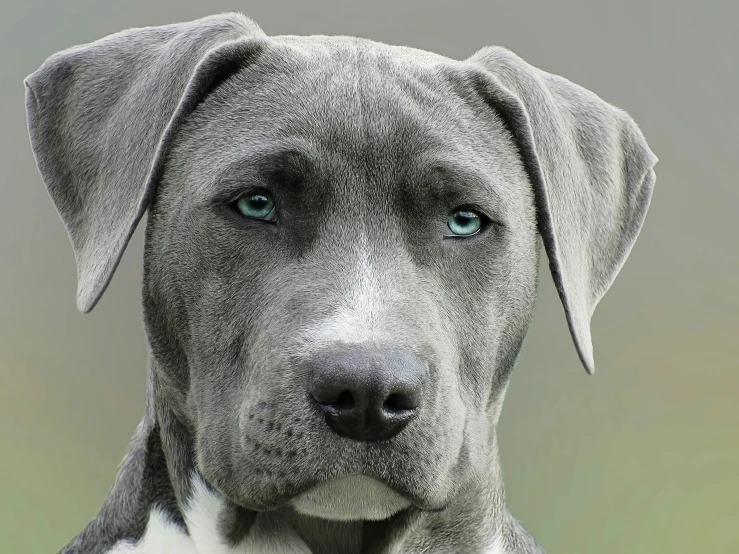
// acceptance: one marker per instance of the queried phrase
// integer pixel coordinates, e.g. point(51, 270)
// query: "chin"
point(351, 498)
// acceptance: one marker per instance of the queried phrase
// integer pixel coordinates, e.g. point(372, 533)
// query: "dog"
point(341, 265)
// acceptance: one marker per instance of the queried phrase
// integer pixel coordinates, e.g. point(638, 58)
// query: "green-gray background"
point(641, 458)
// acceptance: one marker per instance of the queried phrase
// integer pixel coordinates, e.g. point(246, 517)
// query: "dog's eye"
point(257, 206)
point(464, 223)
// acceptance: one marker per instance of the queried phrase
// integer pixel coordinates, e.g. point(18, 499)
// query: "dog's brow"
point(460, 179)
point(284, 165)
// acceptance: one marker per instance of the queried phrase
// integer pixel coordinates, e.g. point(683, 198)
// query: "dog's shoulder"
point(141, 499)
point(160, 535)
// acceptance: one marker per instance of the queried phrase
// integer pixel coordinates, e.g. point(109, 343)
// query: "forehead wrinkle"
point(448, 174)
point(295, 156)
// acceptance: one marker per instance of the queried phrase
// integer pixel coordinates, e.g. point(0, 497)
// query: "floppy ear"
point(591, 171)
point(102, 115)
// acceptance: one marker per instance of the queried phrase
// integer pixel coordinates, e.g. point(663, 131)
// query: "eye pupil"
point(258, 201)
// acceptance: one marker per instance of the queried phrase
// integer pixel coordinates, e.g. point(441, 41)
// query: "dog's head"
point(342, 244)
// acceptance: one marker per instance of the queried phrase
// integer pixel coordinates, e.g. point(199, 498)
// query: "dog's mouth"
point(349, 497)
point(361, 481)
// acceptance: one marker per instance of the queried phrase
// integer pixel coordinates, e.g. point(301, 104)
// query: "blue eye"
point(257, 206)
point(464, 223)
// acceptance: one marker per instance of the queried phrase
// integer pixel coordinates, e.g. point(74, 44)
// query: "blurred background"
point(642, 457)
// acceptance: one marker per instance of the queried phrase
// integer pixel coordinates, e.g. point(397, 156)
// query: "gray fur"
point(177, 119)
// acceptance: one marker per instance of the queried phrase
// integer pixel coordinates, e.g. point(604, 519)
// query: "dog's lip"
point(416, 500)
point(296, 489)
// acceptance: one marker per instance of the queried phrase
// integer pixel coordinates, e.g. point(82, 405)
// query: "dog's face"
point(367, 176)
point(341, 255)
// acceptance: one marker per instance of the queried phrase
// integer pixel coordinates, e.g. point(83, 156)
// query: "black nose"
point(366, 393)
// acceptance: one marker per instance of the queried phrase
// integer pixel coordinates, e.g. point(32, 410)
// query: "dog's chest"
point(162, 537)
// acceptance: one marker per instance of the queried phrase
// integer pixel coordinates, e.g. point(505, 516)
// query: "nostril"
point(398, 402)
point(334, 398)
point(345, 401)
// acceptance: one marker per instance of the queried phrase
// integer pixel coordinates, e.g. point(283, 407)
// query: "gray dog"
point(340, 268)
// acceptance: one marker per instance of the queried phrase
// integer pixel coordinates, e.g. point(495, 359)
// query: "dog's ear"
point(100, 119)
point(591, 171)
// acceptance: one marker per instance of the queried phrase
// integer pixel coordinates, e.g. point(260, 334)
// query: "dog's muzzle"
point(366, 393)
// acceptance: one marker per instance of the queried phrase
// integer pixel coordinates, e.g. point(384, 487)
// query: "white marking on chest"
point(162, 536)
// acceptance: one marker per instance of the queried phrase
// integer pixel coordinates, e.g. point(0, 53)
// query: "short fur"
point(366, 148)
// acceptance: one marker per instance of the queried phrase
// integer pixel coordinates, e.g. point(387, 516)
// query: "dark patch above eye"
point(286, 168)
point(282, 168)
